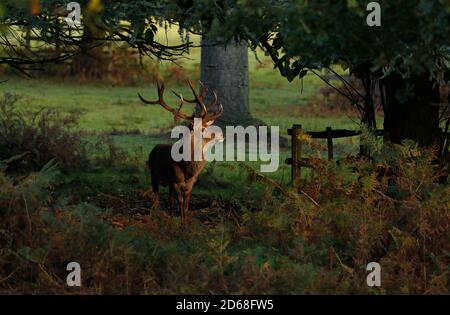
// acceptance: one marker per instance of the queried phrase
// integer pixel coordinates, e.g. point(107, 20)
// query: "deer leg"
point(155, 189)
point(187, 197)
point(171, 198)
point(180, 201)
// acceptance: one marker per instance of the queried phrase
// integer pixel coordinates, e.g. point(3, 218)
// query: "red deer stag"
point(180, 176)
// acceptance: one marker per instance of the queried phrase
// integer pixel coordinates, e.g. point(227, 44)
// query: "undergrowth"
point(32, 139)
point(389, 210)
point(315, 239)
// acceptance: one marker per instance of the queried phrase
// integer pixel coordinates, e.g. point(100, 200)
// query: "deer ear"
point(209, 123)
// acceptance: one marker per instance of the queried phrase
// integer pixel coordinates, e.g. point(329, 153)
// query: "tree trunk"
point(412, 109)
point(88, 62)
point(224, 69)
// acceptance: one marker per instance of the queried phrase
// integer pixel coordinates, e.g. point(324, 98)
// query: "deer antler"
point(194, 101)
point(214, 116)
point(198, 99)
point(161, 101)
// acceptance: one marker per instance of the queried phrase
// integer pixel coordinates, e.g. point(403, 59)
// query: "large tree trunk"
point(224, 69)
point(412, 109)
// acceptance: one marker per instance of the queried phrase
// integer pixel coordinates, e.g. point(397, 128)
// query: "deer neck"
point(194, 168)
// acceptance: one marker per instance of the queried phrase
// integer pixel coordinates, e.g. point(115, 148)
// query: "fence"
point(329, 134)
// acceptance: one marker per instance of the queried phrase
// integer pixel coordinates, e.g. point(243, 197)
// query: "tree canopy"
point(407, 51)
point(408, 55)
point(298, 34)
point(132, 22)
point(302, 34)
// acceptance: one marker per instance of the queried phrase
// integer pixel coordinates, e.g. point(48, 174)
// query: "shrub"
point(390, 210)
point(38, 138)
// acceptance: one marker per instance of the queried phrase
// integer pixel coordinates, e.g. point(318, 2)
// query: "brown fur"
point(180, 177)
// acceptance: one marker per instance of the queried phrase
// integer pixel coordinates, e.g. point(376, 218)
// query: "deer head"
point(207, 117)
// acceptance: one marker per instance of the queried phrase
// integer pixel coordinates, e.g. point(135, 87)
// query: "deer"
point(180, 177)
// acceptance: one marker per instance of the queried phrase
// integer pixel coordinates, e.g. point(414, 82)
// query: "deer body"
point(180, 176)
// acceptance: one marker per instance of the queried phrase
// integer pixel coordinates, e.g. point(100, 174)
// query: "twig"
point(278, 186)
point(384, 195)
point(344, 266)
point(310, 198)
point(9, 276)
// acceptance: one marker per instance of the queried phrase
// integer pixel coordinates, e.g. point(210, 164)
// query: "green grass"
point(105, 108)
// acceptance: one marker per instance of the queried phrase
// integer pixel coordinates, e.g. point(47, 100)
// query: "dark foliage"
point(30, 141)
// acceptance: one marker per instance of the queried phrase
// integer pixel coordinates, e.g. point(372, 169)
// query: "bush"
point(389, 210)
point(35, 139)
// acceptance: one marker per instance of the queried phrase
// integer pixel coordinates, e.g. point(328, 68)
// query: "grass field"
point(136, 128)
point(105, 108)
point(117, 110)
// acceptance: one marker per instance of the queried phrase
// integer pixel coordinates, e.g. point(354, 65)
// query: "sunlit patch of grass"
point(117, 110)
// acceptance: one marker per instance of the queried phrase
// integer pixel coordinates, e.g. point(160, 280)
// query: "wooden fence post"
point(330, 144)
point(28, 38)
point(296, 172)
